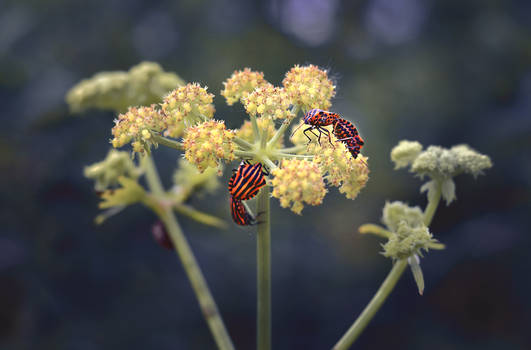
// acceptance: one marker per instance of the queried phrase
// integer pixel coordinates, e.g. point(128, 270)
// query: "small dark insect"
point(247, 180)
point(158, 230)
point(240, 214)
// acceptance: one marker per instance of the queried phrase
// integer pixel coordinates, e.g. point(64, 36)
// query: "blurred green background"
point(440, 72)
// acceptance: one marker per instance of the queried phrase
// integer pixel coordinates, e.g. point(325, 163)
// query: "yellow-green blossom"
point(143, 84)
point(129, 193)
point(240, 84)
point(206, 144)
point(188, 104)
point(405, 153)
point(309, 87)
point(268, 101)
point(297, 182)
point(264, 124)
point(136, 125)
point(343, 171)
point(188, 179)
point(106, 173)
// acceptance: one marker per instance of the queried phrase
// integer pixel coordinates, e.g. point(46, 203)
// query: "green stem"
point(394, 275)
point(199, 216)
point(283, 128)
point(242, 143)
point(370, 310)
point(245, 154)
point(256, 131)
point(263, 257)
point(161, 140)
point(268, 162)
point(433, 203)
point(190, 265)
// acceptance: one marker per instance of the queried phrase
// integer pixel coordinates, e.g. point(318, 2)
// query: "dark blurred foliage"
point(440, 72)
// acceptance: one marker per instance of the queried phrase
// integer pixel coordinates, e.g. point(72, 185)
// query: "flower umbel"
point(136, 125)
point(206, 144)
point(106, 173)
point(241, 84)
point(188, 104)
point(297, 182)
point(309, 87)
point(268, 101)
point(343, 171)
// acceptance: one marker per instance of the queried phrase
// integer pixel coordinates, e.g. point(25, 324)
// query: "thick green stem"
point(293, 149)
point(190, 265)
point(245, 154)
point(161, 140)
point(263, 257)
point(433, 203)
point(370, 310)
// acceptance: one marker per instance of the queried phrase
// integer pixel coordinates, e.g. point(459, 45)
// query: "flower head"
point(309, 87)
point(143, 84)
point(264, 124)
point(206, 144)
point(439, 162)
point(269, 102)
point(241, 84)
point(188, 104)
point(409, 235)
point(343, 171)
point(405, 153)
point(106, 173)
point(297, 182)
point(136, 125)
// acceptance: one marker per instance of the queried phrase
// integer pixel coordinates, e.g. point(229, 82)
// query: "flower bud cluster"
point(409, 235)
point(343, 171)
point(206, 144)
point(266, 125)
point(106, 173)
point(188, 179)
point(136, 125)
point(188, 104)
point(240, 84)
point(297, 182)
point(268, 101)
point(128, 193)
point(144, 84)
point(309, 87)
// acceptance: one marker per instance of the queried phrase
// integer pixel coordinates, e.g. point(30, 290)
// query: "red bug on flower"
point(347, 133)
point(247, 180)
point(239, 214)
point(317, 118)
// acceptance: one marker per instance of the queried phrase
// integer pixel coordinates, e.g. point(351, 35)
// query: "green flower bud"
point(405, 153)
point(396, 212)
point(129, 193)
point(144, 84)
point(188, 179)
point(106, 173)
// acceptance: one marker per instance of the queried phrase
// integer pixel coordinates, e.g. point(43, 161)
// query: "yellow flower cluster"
point(246, 131)
point(309, 87)
point(268, 101)
point(136, 125)
point(189, 104)
point(207, 143)
point(241, 83)
point(345, 172)
point(297, 182)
